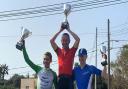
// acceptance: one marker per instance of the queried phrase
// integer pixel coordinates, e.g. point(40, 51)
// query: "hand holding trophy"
point(25, 33)
point(104, 56)
point(67, 10)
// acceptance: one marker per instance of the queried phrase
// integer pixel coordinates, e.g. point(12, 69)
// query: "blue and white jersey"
point(83, 76)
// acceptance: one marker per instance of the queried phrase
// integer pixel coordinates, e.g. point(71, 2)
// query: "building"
point(28, 83)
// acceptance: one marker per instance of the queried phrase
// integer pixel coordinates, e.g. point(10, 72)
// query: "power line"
point(101, 6)
point(91, 3)
point(41, 6)
point(39, 35)
point(22, 67)
point(24, 12)
point(45, 10)
point(85, 5)
point(110, 41)
point(91, 51)
point(121, 32)
point(31, 17)
point(123, 24)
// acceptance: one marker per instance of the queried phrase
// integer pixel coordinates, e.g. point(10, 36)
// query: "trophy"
point(25, 33)
point(103, 52)
point(67, 10)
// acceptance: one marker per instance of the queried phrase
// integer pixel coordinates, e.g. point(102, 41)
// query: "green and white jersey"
point(46, 77)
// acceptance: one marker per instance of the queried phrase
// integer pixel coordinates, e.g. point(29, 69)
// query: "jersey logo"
point(85, 73)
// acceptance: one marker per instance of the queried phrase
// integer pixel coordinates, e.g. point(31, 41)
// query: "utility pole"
point(108, 54)
point(96, 61)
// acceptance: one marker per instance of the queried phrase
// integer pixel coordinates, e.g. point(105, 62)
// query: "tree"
point(12, 83)
point(15, 80)
point(3, 71)
point(120, 70)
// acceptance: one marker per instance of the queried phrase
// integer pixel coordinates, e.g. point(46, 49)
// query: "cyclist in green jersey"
point(47, 78)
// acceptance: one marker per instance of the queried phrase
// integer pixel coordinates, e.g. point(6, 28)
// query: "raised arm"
point(36, 68)
point(104, 73)
point(75, 36)
point(52, 41)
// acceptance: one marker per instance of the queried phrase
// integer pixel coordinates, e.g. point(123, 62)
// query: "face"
point(47, 61)
point(82, 59)
point(65, 40)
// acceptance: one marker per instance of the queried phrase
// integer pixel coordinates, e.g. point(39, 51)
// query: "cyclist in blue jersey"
point(83, 72)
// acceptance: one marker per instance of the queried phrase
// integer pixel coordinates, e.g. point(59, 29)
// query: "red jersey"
point(65, 60)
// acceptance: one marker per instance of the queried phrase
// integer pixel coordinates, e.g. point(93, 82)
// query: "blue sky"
point(83, 23)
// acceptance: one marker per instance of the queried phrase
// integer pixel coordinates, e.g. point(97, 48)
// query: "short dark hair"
point(66, 34)
point(48, 54)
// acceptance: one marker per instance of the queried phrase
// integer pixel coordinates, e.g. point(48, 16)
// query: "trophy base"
point(19, 46)
point(104, 63)
point(65, 25)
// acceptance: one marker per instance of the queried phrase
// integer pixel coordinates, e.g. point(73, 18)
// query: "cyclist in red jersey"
point(65, 56)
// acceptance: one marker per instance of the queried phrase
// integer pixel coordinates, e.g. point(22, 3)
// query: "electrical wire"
point(41, 6)
point(78, 9)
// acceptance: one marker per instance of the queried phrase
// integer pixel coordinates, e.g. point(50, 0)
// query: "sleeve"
point(36, 68)
point(73, 50)
point(95, 70)
point(55, 80)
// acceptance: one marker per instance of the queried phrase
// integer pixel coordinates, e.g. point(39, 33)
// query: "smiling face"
point(65, 40)
point(47, 59)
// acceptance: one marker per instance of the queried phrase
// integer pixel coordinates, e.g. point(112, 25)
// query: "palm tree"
point(3, 71)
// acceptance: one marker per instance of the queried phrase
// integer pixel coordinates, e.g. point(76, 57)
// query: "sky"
point(83, 22)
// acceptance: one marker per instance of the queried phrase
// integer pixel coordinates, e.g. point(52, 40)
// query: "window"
point(27, 87)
